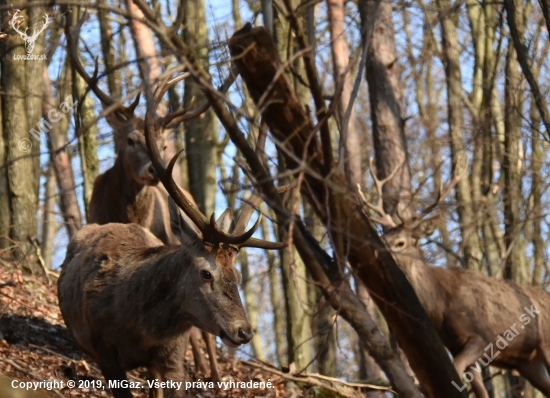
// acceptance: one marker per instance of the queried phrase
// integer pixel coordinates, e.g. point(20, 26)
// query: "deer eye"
point(130, 141)
point(164, 148)
point(400, 244)
point(207, 276)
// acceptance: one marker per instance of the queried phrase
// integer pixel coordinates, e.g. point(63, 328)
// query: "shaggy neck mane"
point(160, 301)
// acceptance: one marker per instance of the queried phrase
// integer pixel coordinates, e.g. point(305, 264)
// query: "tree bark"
point(200, 133)
point(470, 239)
point(251, 303)
point(87, 142)
point(49, 227)
point(276, 299)
point(61, 161)
point(21, 166)
point(388, 126)
point(515, 261)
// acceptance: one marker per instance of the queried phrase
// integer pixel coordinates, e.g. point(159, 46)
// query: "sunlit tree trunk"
point(21, 168)
point(251, 302)
point(450, 53)
point(49, 227)
point(200, 133)
point(4, 200)
point(61, 161)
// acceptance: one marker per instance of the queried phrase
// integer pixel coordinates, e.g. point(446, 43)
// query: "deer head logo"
point(16, 21)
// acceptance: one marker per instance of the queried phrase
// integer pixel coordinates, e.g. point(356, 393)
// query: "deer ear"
point(426, 227)
point(225, 222)
point(179, 226)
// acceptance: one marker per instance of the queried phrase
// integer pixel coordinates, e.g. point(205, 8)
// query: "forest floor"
point(36, 346)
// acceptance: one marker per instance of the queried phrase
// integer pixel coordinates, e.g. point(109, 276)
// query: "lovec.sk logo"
point(16, 21)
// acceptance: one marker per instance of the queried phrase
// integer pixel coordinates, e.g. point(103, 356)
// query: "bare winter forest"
point(376, 172)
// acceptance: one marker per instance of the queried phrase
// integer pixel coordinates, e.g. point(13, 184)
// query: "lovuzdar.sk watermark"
point(501, 343)
point(16, 21)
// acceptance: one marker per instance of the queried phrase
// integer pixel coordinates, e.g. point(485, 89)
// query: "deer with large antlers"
point(480, 320)
point(130, 301)
point(129, 192)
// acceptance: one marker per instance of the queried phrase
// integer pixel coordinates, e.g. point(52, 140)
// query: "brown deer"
point(129, 192)
point(130, 301)
point(480, 320)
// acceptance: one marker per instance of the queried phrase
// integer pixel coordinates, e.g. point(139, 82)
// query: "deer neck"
point(136, 198)
point(426, 283)
point(162, 303)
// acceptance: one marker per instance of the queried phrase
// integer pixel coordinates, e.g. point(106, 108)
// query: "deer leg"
point(536, 372)
point(198, 357)
point(211, 348)
point(469, 354)
point(112, 371)
point(154, 374)
point(478, 387)
point(168, 360)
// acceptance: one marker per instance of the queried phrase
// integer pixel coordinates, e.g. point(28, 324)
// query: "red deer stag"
point(480, 320)
point(129, 191)
point(130, 301)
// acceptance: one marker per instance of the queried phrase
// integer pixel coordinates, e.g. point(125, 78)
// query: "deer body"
point(118, 199)
point(482, 321)
point(130, 301)
point(470, 311)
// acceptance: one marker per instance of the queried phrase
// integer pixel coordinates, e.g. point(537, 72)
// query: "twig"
point(311, 379)
point(34, 242)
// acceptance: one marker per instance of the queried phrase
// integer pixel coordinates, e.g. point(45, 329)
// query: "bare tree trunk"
point(200, 133)
point(21, 169)
point(87, 142)
point(49, 227)
point(470, 239)
point(109, 56)
point(251, 303)
point(4, 199)
point(276, 299)
point(385, 95)
point(35, 92)
point(512, 162)
point(61, 161)
point(350, 150)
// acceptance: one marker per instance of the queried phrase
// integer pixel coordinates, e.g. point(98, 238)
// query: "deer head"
point(402, 239)
point(16, 21)
point(132, 152)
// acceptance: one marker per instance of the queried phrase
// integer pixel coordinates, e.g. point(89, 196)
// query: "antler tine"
point(232, 238)
point(251, 204)
point(385, 219)
point(73, 35)
point(442, 194)
point(165, 174)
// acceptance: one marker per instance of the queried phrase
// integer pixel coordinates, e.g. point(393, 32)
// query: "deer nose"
point(245, 335)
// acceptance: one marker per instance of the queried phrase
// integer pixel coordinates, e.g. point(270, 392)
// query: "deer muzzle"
point(149, 175)
point(242, 333)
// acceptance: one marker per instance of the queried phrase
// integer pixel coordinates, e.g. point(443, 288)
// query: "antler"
point(385, 219)
point(210, 231)
point(246, 213)
point(73, 35)
point(441, 194)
